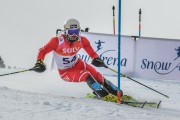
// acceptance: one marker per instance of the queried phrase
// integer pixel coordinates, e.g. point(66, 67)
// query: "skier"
point(73, 69)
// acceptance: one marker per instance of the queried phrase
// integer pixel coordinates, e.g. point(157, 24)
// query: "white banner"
point(150, 58)
point(158, 58)
point(106, 46)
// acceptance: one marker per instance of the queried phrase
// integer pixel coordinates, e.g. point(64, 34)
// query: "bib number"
point(68, 60)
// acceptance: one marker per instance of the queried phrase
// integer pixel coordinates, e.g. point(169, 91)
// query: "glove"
point(39, 66)
point(98, 62)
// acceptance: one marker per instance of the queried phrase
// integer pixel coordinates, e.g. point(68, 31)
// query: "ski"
point(128, 100)
point(142, 104)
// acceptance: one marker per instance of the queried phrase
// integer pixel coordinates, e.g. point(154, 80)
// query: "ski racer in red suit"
point(71, 68)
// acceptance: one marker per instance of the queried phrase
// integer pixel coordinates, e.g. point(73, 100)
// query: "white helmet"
point(72, 30)
point(71, 23)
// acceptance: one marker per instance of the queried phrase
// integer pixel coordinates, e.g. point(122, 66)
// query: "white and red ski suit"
point(70, 67)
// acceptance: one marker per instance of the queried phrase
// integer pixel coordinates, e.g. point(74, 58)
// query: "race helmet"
point(72, 30)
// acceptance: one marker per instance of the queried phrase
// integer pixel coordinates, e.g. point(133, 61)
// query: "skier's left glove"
point(98, 62)
point(39, 66)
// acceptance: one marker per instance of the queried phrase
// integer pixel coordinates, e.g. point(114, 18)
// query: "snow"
point(44, 96)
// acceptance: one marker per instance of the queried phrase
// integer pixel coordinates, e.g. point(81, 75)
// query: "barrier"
point(150, 58)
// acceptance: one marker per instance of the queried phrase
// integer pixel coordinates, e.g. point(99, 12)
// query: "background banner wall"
point(106, 47)
point(150, 58)
point(157, 58)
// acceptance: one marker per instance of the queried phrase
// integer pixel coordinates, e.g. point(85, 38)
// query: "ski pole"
point(17, 72)
point(137, 82)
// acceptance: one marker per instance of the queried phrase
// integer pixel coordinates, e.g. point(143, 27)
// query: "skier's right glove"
point(98, 62)
point(39, 66)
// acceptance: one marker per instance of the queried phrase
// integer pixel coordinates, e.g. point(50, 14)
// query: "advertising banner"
point(106, 46)
point(157, 58)
point(150, 58)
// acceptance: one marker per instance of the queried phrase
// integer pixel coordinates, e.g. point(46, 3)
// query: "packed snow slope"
point(35, 96)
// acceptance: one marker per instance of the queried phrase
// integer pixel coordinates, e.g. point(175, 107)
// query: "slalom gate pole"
point(140, 23)
point(137, 82)
point(119, 53)
point(17, 72)
point(113, 8)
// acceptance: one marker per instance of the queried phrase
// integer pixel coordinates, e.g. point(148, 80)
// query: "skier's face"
point(73, 34)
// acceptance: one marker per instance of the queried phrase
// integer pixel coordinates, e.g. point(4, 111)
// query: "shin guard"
point(111, 87)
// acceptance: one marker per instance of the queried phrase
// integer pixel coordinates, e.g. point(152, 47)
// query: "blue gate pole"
point(119, 52)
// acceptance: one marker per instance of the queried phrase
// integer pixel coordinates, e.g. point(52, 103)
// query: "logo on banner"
point(163, 68)
point(178, 53)
point(99, 45)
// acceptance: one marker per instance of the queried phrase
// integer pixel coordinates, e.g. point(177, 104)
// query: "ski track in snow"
point(21, 105)
point(41, 97)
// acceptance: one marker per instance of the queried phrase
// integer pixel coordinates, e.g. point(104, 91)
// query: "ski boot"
point(111, 87)
point(97, 88)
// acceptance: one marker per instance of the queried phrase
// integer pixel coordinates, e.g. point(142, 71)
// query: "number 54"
point(67, 60)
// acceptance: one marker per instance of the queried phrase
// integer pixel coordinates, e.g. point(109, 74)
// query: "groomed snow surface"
point(44, 96)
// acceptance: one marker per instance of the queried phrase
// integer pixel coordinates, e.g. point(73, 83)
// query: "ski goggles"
point(72, 32)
